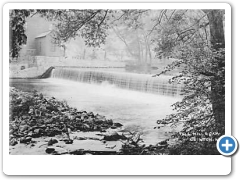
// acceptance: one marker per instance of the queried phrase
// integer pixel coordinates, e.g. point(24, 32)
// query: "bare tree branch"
point(158, 23)
point(79, 26)
point(172, 14)
point(103, 19)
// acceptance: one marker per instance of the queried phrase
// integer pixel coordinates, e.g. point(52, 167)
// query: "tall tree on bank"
point(217, 40)
point(201, 55)
point(17, 30)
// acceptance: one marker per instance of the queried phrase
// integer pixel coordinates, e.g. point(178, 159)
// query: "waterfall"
point(131, 81)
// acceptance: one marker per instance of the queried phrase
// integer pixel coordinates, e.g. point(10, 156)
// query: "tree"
point(17, 31)
point(200, 50)
point(215, 18)
point(91, 24)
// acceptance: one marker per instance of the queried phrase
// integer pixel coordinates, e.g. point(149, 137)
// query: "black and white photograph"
point(116, 81)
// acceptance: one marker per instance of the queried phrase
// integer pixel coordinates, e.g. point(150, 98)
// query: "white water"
point(131, 81)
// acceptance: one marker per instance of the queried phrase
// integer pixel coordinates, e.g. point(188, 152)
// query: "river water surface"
point(137, 111)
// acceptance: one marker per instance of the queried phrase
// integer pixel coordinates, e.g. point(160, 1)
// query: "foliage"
point(200, 69)
point(17, 30)
point(132, 145)
point(203, 75)
point(70, 23)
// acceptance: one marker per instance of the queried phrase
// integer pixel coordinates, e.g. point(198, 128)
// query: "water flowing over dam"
point(135, 100)
point(131, 81)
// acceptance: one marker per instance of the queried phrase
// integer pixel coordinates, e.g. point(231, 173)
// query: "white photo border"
point(109, 164)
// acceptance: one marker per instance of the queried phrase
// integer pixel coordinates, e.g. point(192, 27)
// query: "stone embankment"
point(28, 73)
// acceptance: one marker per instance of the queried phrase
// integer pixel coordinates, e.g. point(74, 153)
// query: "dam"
point(135, 100)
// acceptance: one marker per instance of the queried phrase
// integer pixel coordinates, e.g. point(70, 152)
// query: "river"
point(137, 111)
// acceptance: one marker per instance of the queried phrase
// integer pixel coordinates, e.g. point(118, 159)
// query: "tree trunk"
point(139, 53)
point(217, 40)
point(116, 31)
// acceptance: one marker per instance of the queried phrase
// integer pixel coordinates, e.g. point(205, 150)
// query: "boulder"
point(114, 137)
point(25, 140)
point(69, 141)
point(52, 141)
point(59, 151)
point(23, 128)
point(117, 124)
point(49, 150)
point(13, 142)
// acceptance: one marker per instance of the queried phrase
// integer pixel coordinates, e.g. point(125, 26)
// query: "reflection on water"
point(136, 110)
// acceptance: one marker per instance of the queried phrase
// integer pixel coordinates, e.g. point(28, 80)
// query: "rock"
point(90, 114)
point(11, 131)
point(11, 136)
point(81, 138)
point(52, 132)
point(28, 138)
point(64, 139)
point(23, 122)
point(37, 131)
point(93, 138)
point(86, 127)
point(114, 137)
point(52, 141)
point(49, 150)
point(98, 121)
point(13, 142)
point(49, 121)
point(32, 145)
point(25, 140)
point(109, 122)
point(163, 143)
point(78, 152)
point(42, 126)
point(78, 119)
point(69, 141)
point(117, 124)
point(97, 128)
point(32, 141)
point(30, 133)
point(23, 128)
point(59, 151)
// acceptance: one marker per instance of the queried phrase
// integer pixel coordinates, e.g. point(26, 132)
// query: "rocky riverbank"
point(43, 125)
